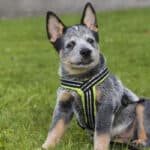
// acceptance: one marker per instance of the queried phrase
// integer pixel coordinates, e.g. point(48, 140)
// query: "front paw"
point(49, 143)
point(55, 135)
point(101, 142)
point(45, 146)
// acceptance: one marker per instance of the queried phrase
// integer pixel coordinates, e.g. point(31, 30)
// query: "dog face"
point(77, 45)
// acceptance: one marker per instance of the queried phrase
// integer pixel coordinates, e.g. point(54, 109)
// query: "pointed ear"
point(89, 17)
point(54, 27)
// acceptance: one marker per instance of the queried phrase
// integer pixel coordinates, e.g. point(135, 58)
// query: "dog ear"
point(89, 17)
point(54, 26)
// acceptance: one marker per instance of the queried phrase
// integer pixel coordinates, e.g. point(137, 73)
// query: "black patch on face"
point(58, 44)
point(95, 34)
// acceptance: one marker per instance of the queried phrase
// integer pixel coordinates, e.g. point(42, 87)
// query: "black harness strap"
point(87, 91)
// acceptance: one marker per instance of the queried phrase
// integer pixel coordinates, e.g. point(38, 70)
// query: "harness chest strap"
point(87, 92)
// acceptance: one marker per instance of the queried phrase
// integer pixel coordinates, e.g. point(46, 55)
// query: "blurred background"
point(29, 64)
point(17, 8)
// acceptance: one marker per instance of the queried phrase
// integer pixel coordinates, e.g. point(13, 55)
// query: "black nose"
point(85, 52)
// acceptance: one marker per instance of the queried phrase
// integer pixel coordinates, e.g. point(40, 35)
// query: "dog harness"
point(87, 91)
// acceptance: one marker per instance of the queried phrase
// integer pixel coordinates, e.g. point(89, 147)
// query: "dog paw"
point(47, 145)
point(139, 142)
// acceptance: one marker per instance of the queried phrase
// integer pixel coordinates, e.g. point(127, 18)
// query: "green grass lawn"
point(28, 74)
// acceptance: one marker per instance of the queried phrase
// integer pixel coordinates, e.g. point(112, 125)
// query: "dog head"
point(77, 45)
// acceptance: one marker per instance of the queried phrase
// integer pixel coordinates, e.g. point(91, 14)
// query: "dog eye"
point(71, 45)
point(90, 40)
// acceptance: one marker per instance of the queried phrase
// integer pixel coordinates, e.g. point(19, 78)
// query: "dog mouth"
point(83, 63)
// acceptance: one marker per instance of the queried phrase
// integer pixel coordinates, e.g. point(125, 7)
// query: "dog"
point(103, 106)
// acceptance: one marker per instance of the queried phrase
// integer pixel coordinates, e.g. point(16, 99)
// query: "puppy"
point(106, 109)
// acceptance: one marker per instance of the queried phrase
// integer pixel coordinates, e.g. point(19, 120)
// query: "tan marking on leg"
point(101, 142)
point(140, 119)
point(55, 135)
point(98, 94)
point(142, 137)
point(65, 96)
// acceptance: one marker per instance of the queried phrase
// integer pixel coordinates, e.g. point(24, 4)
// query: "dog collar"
point(87, 91)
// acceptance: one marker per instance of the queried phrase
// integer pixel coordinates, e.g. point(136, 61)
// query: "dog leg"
point(142, 137)
point(101, 142)
point(55, 134)
point(62, 116)
point(103, 124)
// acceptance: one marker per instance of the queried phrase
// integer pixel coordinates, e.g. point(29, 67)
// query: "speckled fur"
point(115, 104)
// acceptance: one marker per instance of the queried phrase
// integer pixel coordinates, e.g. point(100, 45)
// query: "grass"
point(28, 74)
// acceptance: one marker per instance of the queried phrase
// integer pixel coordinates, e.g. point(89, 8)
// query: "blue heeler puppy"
point(106, 109)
